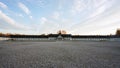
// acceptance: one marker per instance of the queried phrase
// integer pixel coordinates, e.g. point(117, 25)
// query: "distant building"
point(62, 35)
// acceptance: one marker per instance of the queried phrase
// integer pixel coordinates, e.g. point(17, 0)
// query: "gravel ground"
point(60, 54)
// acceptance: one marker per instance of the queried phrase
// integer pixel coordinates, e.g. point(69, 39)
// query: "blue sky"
point(96, 17)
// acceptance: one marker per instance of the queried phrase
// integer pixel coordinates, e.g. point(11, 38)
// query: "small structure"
point(59, 37)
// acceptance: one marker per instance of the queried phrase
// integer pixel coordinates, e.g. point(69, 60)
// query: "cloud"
point(56, 15)
point(31, 17)
point(61, 4)
point(2, 5)
point(101, 25)
point(47, 26)
point(12, 22)
point(98, 11)
point(40, 3)
point(98, 3)
point(101, 6)
point(24, 8)
point(43, 20)
point(78, 6)
point(20, 15)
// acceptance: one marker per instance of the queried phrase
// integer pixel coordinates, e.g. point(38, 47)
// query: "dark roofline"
point(64, 35)
point(28, 36)
point(95, 36)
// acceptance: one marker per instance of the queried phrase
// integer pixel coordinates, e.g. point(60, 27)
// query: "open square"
point(60, 54)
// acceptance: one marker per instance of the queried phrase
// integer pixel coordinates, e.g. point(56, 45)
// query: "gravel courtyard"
point(60, 54)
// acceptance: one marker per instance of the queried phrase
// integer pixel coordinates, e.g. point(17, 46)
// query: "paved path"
point(60, 54)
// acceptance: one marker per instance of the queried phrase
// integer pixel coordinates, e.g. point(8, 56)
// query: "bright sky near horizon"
point(96, 17)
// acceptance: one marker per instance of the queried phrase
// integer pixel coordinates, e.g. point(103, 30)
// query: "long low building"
point(65, 37)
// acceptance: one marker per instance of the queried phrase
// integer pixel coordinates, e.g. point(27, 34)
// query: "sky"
point(79, 17)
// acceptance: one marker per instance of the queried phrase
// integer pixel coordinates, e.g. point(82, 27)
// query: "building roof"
point(64, 35)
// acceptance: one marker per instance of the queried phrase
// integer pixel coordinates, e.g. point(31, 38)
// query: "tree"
point(1, 34)
point(118, 32)
point(61, 32)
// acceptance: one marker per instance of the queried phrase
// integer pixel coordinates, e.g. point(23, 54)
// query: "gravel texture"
point(60, 54)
